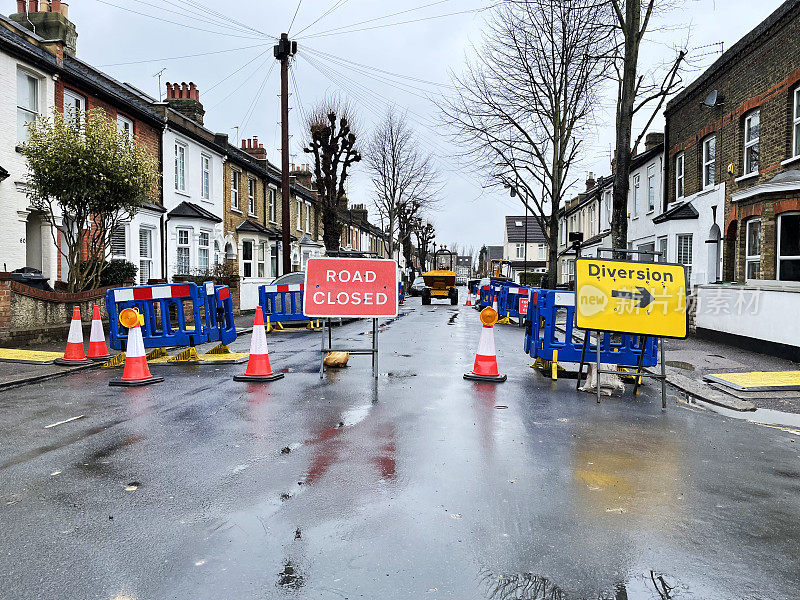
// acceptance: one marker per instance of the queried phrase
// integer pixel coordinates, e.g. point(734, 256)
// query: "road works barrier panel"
point(282, 303)
point(549, 308)
point(508, 299)
point(401, 292)
point(365, 288)
point(165, 309)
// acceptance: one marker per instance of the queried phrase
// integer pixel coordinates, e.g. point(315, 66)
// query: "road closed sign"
point(350, 287)
point(630, 297)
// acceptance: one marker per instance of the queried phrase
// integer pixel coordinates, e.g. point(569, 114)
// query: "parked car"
point(293, 277)
point(417, 287)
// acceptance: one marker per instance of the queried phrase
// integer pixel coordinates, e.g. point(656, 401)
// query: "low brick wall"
point(29, 315)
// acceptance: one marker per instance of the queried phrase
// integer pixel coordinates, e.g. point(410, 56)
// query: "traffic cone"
point(494, 304)
point(469, 299)
point(74, 354)
point(136, 372)
point(485, 368)
point(97, 339)
point(258, 367)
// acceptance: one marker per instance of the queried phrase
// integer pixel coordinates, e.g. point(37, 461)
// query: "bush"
point(117, 273)
point(531, 279)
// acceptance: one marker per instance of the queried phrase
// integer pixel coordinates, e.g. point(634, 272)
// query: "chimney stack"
point(590, 181)
point(185, 99)
point(254, 149)
point(49, 20)
point(653, 139)
point(302, 174)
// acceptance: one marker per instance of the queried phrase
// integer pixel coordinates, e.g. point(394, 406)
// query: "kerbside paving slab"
point(419, 485)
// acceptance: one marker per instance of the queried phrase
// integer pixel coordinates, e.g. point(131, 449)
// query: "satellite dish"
point(712, 99)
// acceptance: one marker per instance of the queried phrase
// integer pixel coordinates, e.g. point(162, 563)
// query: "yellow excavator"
point(501, 269)
point(440, 283)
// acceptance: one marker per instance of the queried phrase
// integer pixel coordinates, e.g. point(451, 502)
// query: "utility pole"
point(283, 51)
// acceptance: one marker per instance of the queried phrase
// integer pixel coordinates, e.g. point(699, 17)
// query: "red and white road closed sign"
point(523, 305)
point(350, 287)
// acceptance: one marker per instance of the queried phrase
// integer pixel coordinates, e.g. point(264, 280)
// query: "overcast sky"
point(399, 63)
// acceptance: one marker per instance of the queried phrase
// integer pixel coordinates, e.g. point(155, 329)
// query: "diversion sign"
point(350, 287)
point(630, 297)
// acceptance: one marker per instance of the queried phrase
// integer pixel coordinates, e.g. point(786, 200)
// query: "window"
point(205, 177)
point(300, 214)
point(789, 247)
point(203, 248)
point(591, 221)
point(125, 127)
point(74, 105)
point(651, 188)
point(262, 259)
point(753, 249)
point(662, 247)
point(685, 254)
point(563, 232)
point(251, 195)
point(183, 251)
point(272, 215)
point(273, 260)
point(520, 250)
point(518, 223)
point(145, 254)
point(796, 149)
point(27, 102)
point(679, 177)
point(751, 142)
point(709, 161)
point(119, 243)
point(635, 196)
point(651, 247)
point(247, 258)
point(609, 202)
point(180, 167)
point(308, 218)
point(234, 189)
point(542, 249)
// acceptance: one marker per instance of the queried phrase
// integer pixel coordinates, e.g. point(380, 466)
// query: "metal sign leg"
point(322, 350)
point(599, 337)
point(583, 359)
point(663, 375)
point(375, 348)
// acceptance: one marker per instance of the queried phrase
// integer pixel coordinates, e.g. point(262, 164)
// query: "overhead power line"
point(261, 65)
point(149, 60)
point(336, 4)
point(296, 10)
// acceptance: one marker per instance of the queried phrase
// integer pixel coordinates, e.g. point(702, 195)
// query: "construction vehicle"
point(501, 269)
point(440, 282)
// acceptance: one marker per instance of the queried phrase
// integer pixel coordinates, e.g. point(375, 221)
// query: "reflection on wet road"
point(419, 485)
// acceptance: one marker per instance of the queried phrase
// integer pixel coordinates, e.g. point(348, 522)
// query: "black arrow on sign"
point(643, 296)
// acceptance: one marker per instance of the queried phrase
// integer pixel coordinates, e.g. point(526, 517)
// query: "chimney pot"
point(20, 6)
point(255, 141)
point(261, 145)
point(244, 145)
point(33, 6)
point(184, 90)
point(55, 6)
point(193, 91)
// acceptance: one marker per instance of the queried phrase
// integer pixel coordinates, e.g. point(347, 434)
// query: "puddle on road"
point(289, 578)
point(527, 586)
point(453, 318)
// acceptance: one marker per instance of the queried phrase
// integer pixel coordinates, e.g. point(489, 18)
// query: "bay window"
point(183, 252)
point(203, 251)
point(262, 259)
point(247, 258)
point(753, 249)
point(789, 247)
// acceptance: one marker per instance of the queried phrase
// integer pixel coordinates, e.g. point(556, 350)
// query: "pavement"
point(417, 485)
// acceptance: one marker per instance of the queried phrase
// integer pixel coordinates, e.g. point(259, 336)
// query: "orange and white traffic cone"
point(74, 354)
point(469, 299)
point(485, 368)
point(258, 367)
point(494, 304)
point(97, 339)
point(136, 372)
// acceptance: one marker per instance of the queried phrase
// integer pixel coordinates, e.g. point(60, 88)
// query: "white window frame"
point(144, 257)
point(519, 250)
point(684, 260)
point(261, 260)
point(651, 188)
point(125, 126)
point(205, 177)
point(609, 201)
point(235, 176)
point(708, 182)
point(251, 196)
point(204, 246)
point(180, 166)
point(780, 257)
point(73, 105)
point(750, 144)
point(592, 221)
point(662, 245)
point(796, 124)
point(299, 204)
point(308, 217)
point(248, 262)
point(680, 176)
point(636, 188)
point(749, 257)
point(119, 229)
point(180, 245)
point(542, 254)
point(273, 211)
point(26, 114)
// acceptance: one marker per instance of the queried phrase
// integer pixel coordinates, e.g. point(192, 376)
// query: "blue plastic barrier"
point(219, 324)
point(542, 338)
point(165, 309)
point(508, 299)
point(282, 303)
point(401, 292)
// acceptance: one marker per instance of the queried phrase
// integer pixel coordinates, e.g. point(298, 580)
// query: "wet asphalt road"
point(421, 485)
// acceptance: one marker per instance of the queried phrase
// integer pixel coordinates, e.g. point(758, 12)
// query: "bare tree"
point(405, 179)
point(636, 91)
point(332, 140)
point(521, 105)
point(425, 233)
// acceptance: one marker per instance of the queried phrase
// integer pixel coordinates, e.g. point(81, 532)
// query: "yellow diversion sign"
point(630, 297)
